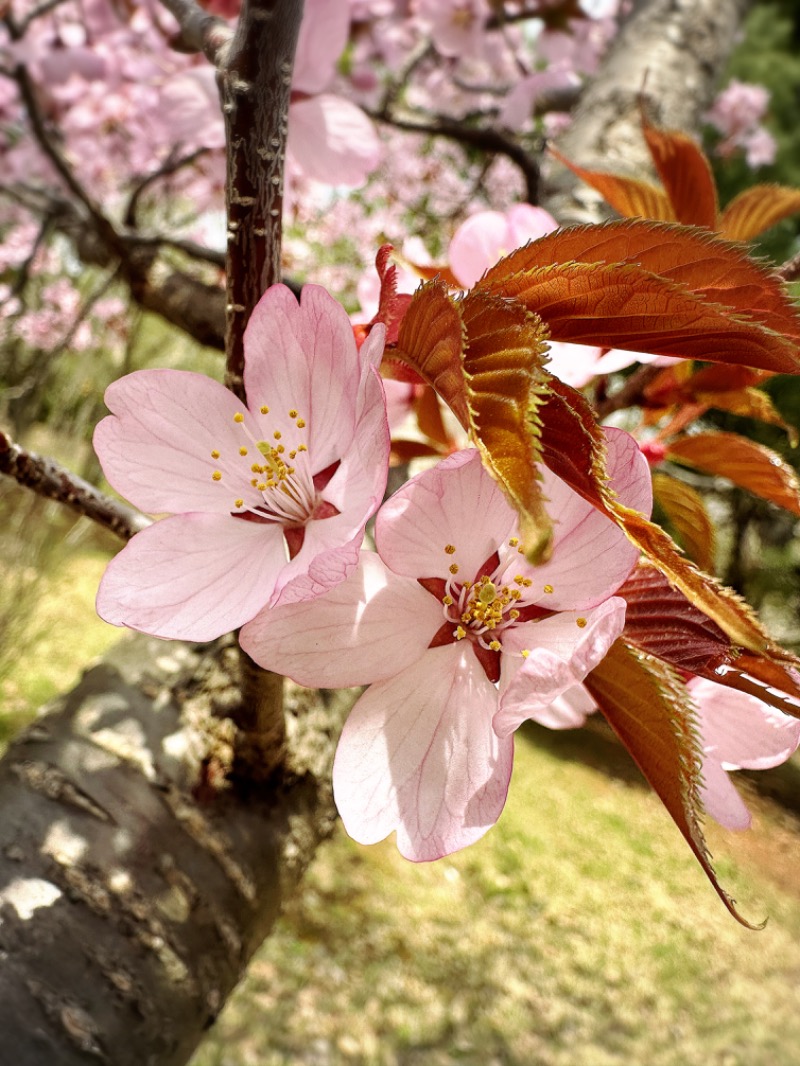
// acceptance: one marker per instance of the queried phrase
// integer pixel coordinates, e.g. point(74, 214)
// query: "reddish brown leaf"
point(649, 709)
point(686, 175)
point(745, 463)
point(403, 451)
point(687, 513)
point(431, 341)
point(573, 446)
point(749, 403)
point(503, 366)
point(756, 209)
point(654, 287)
point(629, 197)
point(660, 620)
point(429, 418)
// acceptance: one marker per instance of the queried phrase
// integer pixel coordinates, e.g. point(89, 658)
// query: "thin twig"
point(170, 166)
point(200, 32)
point(50, 479)
point(790, 270)
point(486, 140)
point(631, 394)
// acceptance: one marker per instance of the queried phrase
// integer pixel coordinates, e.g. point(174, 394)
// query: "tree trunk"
point(670, 53)
point(135, 883)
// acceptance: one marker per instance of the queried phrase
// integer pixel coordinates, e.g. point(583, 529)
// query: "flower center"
point(481, 610)
point(274, 479)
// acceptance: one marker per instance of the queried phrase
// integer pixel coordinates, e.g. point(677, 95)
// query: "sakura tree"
point(514, 573)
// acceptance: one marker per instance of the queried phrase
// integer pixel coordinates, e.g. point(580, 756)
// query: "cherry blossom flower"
point(460, 640)
point(737, 731)
point(269, 500)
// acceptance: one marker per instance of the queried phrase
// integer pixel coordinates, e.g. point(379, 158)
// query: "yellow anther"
point(215, 454)
point(238, 503)
point(525, 653)
point(277, 434)
point(302, 448)
point(243, 451)
point(460, 633)
point(301, 423)
point(447, 601)
point(487, 593)
point(293, 453)
point(520, 550)
point(256, 468)
point(467, 584)
point(580, 622)
point(548, 589)
point(495, 645)
point(261, 486)
point(519, 579)
point(264, 409)
point(293, 413)
point(513, 542)
point(217, 475)
point(280, 449)
point(254, 482)
point(450, 548)
point(515, 594)
point(238, 417)
point(527, 582)
point(453, 568)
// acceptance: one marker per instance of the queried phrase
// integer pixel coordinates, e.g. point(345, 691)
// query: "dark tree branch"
point(485, 139)
point(255, 85)
point(48, 478)
point(170, 166)
point(631, 394)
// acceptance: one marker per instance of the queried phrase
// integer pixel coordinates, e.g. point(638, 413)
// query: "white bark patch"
point(27, 895)
point(63, 844)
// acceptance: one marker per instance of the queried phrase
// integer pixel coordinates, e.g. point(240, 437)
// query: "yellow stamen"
point(548, 589)
point(238, 503)
point(215, 454)
point(243, 451)
point(580, 622)
point(238, 417)
point(460, 633)
point(264, 410)
point(293, 413)
point(217, 475)
point(450, 549)
point(453, 568)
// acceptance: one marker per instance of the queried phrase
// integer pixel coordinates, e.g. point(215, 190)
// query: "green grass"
point(579, 932)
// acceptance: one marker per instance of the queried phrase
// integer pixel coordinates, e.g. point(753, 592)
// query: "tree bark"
point(135, 883)
point(669, 53)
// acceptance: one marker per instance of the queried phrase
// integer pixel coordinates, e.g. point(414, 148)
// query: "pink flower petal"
point(574, 364)
point(332, 140)
point(323, 37)
point(591, 555)
point(441, 508)
point(418, 754)
point(331, 545)
point(341, 638)
point(567, 711)
point(155, 448)
point(740, 731)
point(721, 800)
point(303, 357)
point(561, 654)
point(487, 236)
point(192, 577)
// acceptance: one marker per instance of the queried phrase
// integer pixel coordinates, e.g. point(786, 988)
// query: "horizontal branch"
point(50, 479)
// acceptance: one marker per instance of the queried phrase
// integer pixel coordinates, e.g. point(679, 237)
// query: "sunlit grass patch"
point(578, 932)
